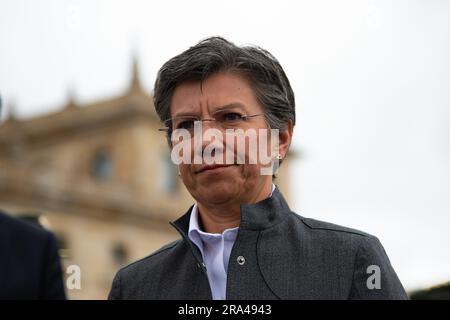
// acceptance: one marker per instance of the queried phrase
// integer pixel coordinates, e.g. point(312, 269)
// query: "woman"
point(240, 240)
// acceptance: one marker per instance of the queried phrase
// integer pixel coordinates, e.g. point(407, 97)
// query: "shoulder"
point(359, 254)
point(155, 259)
point(343, 240)
point(329, 240)
point(22, 232)
point(322, 233)
point(128, 280)
point(318, 225)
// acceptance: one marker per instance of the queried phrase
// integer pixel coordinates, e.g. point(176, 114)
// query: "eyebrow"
point(233, 105)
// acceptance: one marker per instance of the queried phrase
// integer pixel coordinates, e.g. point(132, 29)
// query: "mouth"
point(213, 168)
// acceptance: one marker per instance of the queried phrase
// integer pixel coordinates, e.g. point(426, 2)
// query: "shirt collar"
point(256, 216)
point(194, 223)
point(197, 235)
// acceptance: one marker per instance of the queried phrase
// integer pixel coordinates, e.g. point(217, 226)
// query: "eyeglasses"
point(223, 120)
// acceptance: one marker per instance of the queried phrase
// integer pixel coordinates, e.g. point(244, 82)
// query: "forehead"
point(218, 90)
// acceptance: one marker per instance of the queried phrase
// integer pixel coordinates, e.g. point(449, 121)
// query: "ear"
point(285, 137)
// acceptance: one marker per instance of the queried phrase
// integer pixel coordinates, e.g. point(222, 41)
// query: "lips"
point(212, 167)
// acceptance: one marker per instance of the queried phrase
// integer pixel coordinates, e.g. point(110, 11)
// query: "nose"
point(211, 143)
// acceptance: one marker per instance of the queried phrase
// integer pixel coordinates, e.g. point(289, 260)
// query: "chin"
point(217, 192)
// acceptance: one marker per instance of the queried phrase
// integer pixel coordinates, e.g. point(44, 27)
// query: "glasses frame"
point(242, 118)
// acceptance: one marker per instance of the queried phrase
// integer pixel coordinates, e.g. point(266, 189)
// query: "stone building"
point(100, 177)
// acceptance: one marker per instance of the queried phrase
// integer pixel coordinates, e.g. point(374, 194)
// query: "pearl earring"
point(279, 156)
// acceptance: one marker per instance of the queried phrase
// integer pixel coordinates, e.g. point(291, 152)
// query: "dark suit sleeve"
point(115, 293)
point(52, 280)
point(371, 258)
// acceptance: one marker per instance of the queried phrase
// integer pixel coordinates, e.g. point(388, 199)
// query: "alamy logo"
point(374, 280)
point(232, 146)
point(73, 281)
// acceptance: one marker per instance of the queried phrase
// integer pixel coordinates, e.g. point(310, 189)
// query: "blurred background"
point(80, 152)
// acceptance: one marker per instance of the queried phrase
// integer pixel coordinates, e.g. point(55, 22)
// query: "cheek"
point(259, 154)
point(185, 173)
point(250, 172)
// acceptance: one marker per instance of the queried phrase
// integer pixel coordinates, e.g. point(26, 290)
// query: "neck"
point(217, 218)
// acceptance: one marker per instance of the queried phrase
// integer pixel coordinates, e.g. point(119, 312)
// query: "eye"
point(185, 124)
point(231, 117)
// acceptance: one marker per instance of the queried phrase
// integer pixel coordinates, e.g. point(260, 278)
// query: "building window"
point(169, 175)
point(101, 166)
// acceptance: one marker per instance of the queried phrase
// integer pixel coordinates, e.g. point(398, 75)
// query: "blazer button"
point(240, 260)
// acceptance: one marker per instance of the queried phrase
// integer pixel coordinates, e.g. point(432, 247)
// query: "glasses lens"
point(183, 123)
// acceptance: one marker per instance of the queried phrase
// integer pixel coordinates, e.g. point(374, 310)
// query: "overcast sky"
point(372, 84)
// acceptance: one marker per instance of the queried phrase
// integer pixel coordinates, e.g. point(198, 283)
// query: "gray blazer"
point(286, 257)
